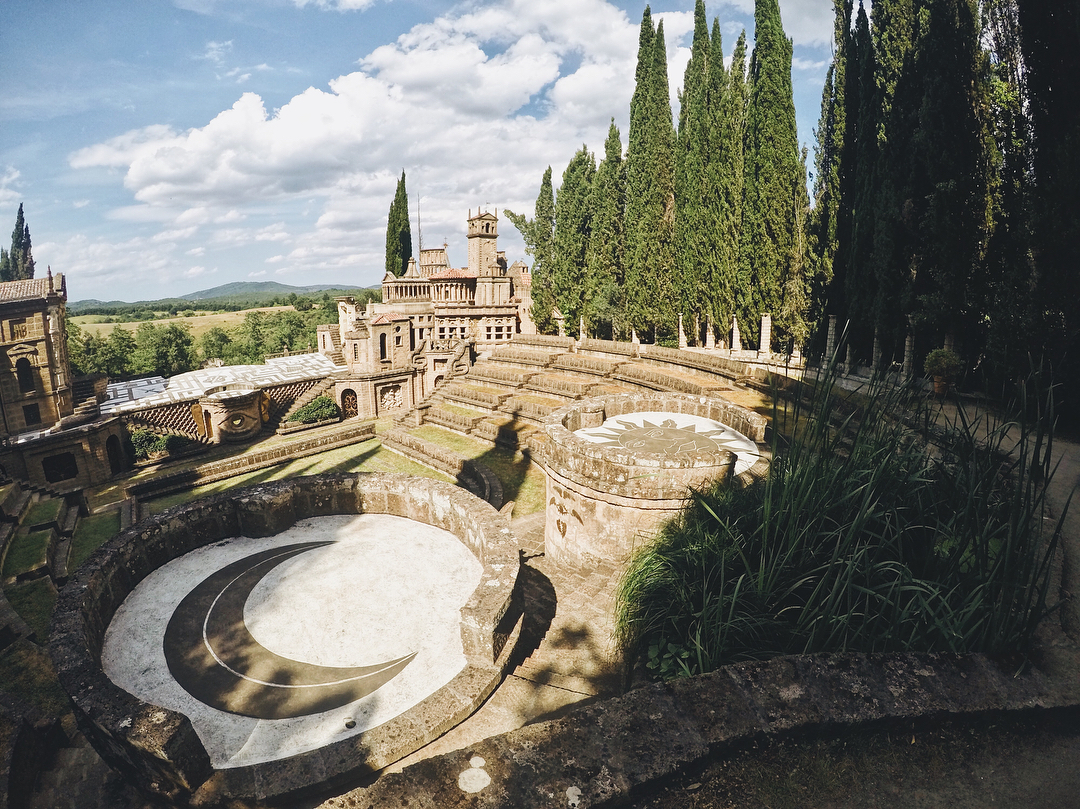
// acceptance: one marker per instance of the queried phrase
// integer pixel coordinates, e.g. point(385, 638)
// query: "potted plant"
point(943, 365)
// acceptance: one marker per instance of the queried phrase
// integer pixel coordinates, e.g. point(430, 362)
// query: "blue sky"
point(164, 147)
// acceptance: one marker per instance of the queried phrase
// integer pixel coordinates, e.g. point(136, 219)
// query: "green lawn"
point(368, 456)
point(34, 601)
point(90, 534)
point(43, 511)
point(28, 551)
point(27, 672)
point(522, 481)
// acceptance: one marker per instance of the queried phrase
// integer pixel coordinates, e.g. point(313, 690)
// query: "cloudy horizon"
point(165, 147)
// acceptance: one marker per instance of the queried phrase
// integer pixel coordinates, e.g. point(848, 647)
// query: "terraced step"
point(596, 366)
point(566, 386)
point(532, 407)
point(514, 355)
point(500, 375)
point(453, 416)
point(475, 395)
point(654, 378)
point(506, 431)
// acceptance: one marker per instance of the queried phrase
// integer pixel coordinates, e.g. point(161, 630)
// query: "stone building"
point(44, 439)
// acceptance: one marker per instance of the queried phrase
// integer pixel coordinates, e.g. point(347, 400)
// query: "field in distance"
point(200, 322)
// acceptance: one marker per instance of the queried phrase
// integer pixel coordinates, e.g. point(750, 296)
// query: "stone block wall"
point(158, 750)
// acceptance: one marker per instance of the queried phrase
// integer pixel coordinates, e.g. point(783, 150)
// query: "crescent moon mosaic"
point(211, 653)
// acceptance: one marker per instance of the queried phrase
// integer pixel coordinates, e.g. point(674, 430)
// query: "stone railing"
point(158, 750)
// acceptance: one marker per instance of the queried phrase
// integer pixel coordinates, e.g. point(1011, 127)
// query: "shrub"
point(147, 443)
point(942, 362)
point(865, 536)
point(321, 408)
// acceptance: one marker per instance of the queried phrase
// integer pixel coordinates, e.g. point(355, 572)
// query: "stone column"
point(849, 360)
point(736, 340)
point(765, 344)
point(875, 361)
point(830, 341)
point(581, 328)
point(634, 338)
point(909, 357)
point(710, 338)
point(682, 334)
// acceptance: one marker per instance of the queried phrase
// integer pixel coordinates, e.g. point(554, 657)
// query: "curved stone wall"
point(158, 750)
point(602, 499)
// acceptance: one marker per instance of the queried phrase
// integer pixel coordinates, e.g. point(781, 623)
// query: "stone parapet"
point(158, 750)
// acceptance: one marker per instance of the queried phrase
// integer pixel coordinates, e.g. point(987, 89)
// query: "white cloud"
point(195, 272)
point(215, 52)
point(8, 195)
point(256, 274)
point(807, 22)
point(798, 63)
point(336, 5)
point(80, 203)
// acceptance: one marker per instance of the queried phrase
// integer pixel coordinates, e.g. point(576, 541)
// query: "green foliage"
point(90, 534)
point(27, 551)
point(321, 408)
point(604, 257)
point(538, 234)
point(398, 232)
point(18, 264)
point(147, 444)
point(573, 228)
point(867, 535)
point(942, 362)
point(165, 350)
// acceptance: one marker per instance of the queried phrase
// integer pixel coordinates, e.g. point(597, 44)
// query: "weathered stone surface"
point(158, 749)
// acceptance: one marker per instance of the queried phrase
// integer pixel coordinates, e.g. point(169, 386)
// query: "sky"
point(162, 147)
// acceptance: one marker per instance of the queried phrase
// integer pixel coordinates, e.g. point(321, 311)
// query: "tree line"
point(945, 199)
point(702, 219)
point(169, 349)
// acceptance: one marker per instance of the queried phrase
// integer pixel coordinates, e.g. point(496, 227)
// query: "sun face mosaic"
point(671, 434)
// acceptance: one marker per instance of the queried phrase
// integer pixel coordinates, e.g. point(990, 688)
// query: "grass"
point(43, 512)
point(368, 456)
point(28, 551)
point(875, 531)
point(90, 534)
point(522, 481)
point(200, 324)
point(27, 672)
point(35, 602)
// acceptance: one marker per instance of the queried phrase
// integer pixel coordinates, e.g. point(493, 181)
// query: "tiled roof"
point(388, 317)
point(449, 275)
point(29, 289)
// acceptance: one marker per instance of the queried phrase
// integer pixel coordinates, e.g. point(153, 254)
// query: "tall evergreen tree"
point(18, 263)
point(538, 235)
point(638, 168)
point(398, 232)
point(659, 253)
point(5, 265)
point(604, 259)
point(573, 226)
point(772, 174)
point(691, 172)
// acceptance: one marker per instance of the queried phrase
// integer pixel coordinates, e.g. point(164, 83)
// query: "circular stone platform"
point(346, 623)
point(617, 466)
point(279, 638)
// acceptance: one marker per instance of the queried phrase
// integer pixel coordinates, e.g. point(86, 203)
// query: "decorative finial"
point(49, 272)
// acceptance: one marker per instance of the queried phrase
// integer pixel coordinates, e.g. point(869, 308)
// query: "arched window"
point(382, 346)
point(25, 374)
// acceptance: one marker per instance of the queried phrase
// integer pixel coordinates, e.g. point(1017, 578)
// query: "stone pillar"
point(736, 340)
point(875, 361)
point(909, 357)
point(634, 338)
point(950, 342)
point(849, 360)
point(710, 338)
point(560, 320)
point(581, 328)
point(830, 341)
point(765, 344)
point(682, 334)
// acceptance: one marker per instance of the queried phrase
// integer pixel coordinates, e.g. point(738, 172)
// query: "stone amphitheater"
point(559, 727)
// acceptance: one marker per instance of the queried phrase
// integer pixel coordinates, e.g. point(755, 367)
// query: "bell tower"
point(483, 244)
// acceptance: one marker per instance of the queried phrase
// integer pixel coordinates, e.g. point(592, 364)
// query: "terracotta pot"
point(941, 385)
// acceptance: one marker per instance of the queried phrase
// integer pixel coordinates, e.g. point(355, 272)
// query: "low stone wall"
point(584, 364)
point(652, 377)
point(609, 347)
point(603, 501)
point(547, 340)
point(503, 376)
point(711, 363)
point(523, 356)
point(290, 427)
point(250, 462)
point(472, 475)
point(560, 386)
point(158, 750)
point(602, 755)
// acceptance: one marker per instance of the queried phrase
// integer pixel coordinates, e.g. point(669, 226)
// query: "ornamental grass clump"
point(881, 527)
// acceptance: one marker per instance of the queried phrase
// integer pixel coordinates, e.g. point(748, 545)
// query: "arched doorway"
point(348, 403)
point(112, 449)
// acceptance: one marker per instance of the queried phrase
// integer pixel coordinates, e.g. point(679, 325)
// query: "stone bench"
point(562, 386)
point(475, 395)
point(523, 356)
point(597, 366)
point(545, 340)
point(656, 379)
point(509, 376)
point(450, 419)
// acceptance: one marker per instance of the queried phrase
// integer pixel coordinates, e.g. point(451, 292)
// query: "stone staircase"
point(318, 389)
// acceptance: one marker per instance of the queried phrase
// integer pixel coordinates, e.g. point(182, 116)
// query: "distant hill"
point(246, 293)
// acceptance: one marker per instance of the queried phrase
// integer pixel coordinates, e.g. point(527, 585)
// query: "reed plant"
point(888, 522)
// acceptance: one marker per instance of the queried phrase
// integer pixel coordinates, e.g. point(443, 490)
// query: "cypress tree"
point(770, 246)
point(573, 226)
point(604, 259)
point(659, 258)
point(638, 168)
point(398, 232)
point(537, 233)
point(728, 128)
point(691, 172)
point(5, 265)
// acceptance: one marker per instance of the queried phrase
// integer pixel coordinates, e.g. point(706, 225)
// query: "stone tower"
point(483, 244)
